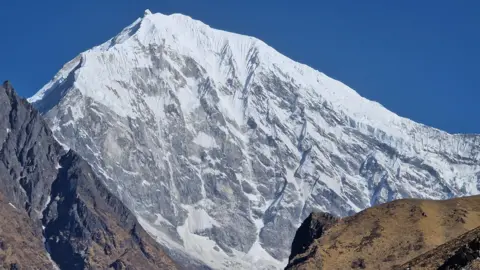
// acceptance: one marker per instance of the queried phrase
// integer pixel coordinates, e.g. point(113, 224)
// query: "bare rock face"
point(29, 154)
point(221, 146)
point(42, 186)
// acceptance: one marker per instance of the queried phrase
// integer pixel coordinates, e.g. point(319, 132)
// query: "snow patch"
point(198, 220)
point(161, 220)
point(205, 140)
point(188, 98)
point(205, 249)
point(64, 146)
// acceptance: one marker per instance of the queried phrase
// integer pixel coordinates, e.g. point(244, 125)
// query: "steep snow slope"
point(222, 145)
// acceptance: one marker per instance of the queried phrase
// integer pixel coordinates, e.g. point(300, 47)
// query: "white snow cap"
point(147, 12)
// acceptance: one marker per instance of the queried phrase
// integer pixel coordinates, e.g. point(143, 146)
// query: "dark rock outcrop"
point(85, 226)
point(29, 154)
point(311, 229)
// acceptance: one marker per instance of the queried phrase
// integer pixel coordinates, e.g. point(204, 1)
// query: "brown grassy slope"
point(390, 234)
point(21, 242)
point(462, 252)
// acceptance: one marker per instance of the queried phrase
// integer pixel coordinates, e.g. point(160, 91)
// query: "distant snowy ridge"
point(222, 145)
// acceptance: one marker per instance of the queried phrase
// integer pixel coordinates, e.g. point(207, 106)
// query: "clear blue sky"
point(419, 59)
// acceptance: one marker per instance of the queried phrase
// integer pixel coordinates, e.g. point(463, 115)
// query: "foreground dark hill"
point(51, 199)
point(420, 234)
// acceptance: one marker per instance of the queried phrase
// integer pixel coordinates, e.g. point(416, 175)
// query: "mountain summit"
point(222, 146)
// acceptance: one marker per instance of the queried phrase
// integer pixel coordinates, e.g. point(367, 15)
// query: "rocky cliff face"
point(221, 146)
point(62, 214)
point(420, 234)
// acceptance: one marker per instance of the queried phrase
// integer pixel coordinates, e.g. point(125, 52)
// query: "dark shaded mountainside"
point(403, 234)
point(50, 199)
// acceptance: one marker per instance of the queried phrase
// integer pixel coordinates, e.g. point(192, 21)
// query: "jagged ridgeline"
point(55, 211)
point(221, 146)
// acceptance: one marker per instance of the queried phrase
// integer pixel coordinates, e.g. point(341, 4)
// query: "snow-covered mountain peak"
point(224, 54)
point(147, 12)
point(222, 145)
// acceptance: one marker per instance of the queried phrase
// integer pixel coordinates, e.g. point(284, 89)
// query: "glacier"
point(222, 146)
